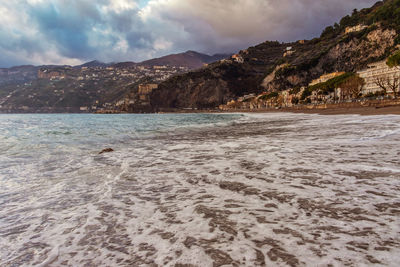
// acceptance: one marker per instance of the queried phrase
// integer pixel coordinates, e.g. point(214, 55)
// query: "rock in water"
point(106, 150)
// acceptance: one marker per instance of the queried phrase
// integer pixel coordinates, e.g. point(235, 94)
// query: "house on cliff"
point(145, 89)
point(51, 74)
point(237, 58)
point(356, 28)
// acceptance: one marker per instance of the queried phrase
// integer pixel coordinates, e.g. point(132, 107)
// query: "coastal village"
point(376, 83)
point(345, 67)
point(277, 153)
point(91, 85)
point(85, 74)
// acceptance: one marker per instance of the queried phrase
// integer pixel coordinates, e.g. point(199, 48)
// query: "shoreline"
point(332, 110)
point(359, 110)
point(363, 111)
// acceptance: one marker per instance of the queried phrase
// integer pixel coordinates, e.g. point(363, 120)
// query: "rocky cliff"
point(363, 37)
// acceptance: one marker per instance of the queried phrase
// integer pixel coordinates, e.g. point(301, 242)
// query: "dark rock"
point(106, 150)
point(189, 242)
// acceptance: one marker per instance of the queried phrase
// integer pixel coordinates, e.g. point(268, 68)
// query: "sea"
point(275, 189)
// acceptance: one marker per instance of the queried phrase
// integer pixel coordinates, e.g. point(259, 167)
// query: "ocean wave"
point(233, 189)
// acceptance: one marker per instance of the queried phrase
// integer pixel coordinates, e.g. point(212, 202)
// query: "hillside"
point(88, 87)
point(189, 59)
point(85, 89)
point(274, 66)
point(93, 64)
point(20, 74)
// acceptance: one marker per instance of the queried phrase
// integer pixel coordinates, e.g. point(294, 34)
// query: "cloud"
point(74, 31)
point(229, 24)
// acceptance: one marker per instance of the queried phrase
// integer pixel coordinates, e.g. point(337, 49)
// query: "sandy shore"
point(365, 111)
point(338, 109)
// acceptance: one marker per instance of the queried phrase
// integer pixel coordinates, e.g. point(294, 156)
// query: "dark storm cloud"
point(82, 30)
point(230, 24)
point(73, 31)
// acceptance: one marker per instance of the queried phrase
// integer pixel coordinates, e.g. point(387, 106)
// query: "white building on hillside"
point(356, 28)
point(377, 70)
point(326, 77)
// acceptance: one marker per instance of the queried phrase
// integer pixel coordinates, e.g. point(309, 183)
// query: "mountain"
point(189, 59)
point(91, 86)
point(87, 88)
point(122, 65)
point(365, 36)
point(93, 64)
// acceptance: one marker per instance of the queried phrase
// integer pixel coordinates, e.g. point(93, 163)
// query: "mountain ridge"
point(190, 59)
point(201, 57)
point(87, 87)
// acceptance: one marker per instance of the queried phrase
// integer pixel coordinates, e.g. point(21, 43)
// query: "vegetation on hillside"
point(349, 82)
point(269, 95)
point(387, 13)
point(394, 60)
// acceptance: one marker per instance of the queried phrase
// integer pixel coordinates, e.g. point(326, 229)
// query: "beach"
point(334, 109)
point(365, 111)
point(276, 189)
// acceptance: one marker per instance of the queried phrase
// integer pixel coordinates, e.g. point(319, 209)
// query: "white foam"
point(294, 181)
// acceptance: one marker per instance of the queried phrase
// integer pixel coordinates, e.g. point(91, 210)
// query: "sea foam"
point(214, 189)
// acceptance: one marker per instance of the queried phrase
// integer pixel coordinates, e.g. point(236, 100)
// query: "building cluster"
point(325, 77)
point(356, 28)
point(95, 86)
point(137, 101)
point(379, 80)
point(238, 58)
point(53, 74)
point(288, 52)
point(378, 75)
point(94, 79)
point(157, 73)
point(145, 89)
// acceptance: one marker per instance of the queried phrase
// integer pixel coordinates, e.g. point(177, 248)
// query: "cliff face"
point(366, 36)
point(205, 88)
point(347, 53)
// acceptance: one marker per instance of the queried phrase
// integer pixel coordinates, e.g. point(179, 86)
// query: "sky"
point(72, 32)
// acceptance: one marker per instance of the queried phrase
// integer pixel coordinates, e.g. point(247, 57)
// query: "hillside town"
point(82, 89)
point(157, 73)
point(377, 81)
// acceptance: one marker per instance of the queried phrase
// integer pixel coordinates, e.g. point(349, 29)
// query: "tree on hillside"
point(393, 85)
point(328, 32)
point(353, 86)
point(394, 60)
point(388, 84)
point(381, 82)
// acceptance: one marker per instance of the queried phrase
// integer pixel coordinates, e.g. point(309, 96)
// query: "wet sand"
point(365, 111)
point(359, 110)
